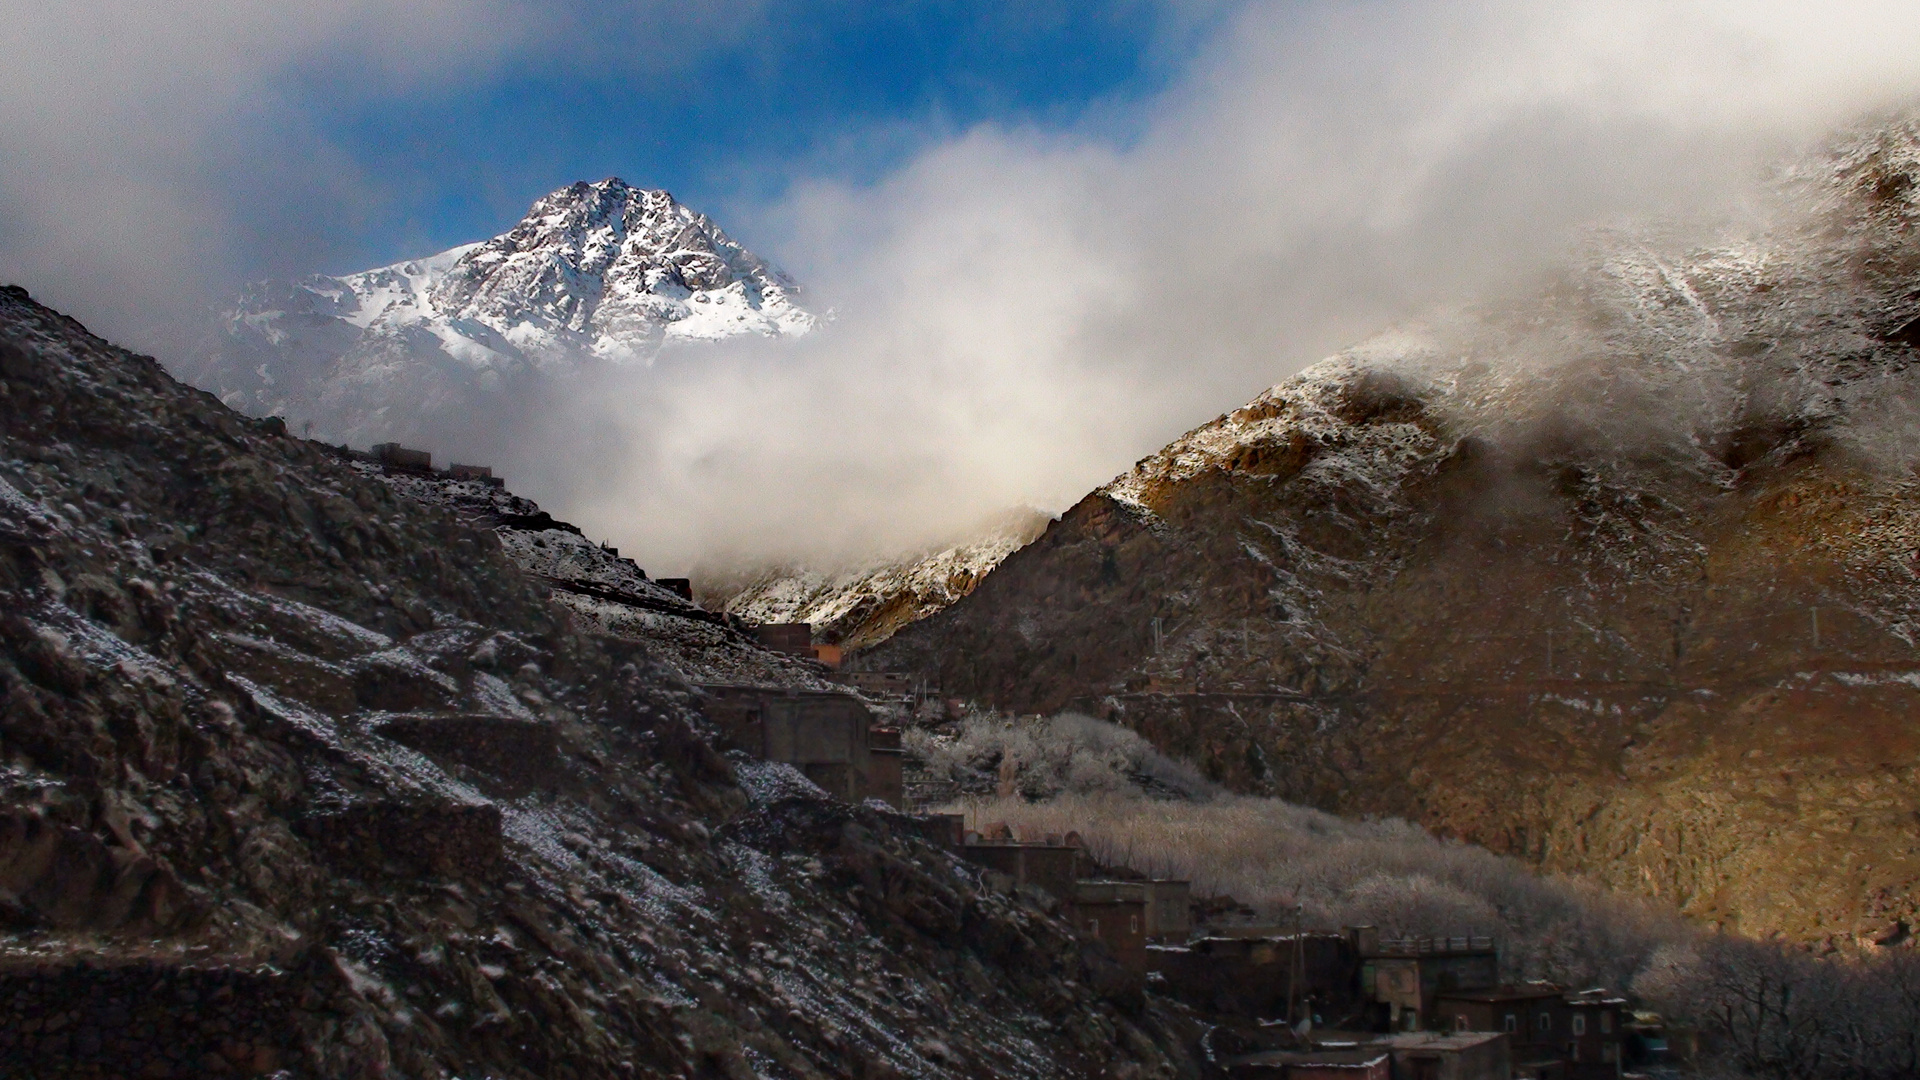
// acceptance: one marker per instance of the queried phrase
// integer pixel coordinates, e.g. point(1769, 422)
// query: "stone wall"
point(144, 1020)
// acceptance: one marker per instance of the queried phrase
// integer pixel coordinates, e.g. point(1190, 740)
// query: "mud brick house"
point(886, 766)
point(795, 638)
point(1536, 1017)
point(951, 828)
point(1169, 910)
point(1114, 913)
point(1262, 977)
point(1054, 867)
point(1406, 974)
point(1596, 1034)
point(394, 456)
point(482, 473)
point(681, 587)
point(827, 736)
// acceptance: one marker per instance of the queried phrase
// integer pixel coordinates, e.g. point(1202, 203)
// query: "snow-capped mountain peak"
point(621, 269)
point(600, 272)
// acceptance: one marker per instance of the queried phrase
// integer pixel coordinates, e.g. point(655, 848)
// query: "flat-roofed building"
point(1534, 1016)
point(1276, 975)
point(1596, 1035)
point(1052, 867)
point(1113, 913)
point(886, 766)
point(395, 456)
point(1405, 974)
point(828, 736)
point(1169, 909)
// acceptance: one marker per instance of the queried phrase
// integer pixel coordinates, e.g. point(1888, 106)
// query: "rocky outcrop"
point(301, 776)
point(606, 594)
point(1622, 579)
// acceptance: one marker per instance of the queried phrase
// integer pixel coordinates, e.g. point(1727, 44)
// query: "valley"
point(1555, 654)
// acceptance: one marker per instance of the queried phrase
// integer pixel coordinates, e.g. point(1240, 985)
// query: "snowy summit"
point(595, 273)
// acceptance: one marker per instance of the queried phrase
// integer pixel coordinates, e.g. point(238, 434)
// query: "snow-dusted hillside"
point(864, 604)
point(1623, 575)
point(595, 273)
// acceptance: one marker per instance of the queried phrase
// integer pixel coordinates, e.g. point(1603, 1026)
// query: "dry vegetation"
point(1271, 855)
point(1766, 1009)
point(1136, 808)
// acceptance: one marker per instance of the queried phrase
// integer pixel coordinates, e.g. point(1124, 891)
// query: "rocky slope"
point(605, 594)
point(300, 776)
point(1623, 578)
point(863, 605)
point(595, 273)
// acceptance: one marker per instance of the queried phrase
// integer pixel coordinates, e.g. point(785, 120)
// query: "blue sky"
point(809, 88)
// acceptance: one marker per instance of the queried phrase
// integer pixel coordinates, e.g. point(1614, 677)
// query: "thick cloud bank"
point(1021, 314)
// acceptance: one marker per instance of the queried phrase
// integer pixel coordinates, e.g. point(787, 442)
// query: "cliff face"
point(300, 776)
point(1622, 578)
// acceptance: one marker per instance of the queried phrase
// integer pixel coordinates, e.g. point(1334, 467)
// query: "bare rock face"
point(303, 776)
point(1625, 579)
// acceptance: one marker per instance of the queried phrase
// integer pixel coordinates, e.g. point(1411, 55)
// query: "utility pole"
point(1816, 627)
point(1297, 969)
point(1549, 654)
point(1157, 634)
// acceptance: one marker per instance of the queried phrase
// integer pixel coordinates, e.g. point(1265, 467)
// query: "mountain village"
point(321, 762)
point(1283, 1002)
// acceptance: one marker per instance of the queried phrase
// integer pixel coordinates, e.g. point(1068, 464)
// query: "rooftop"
point(1528, 992)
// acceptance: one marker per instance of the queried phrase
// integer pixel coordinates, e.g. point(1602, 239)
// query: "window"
point(1093, 927)
point(1460, 1022)
point(1133, 924)
point(1510, 1023)
point(1606, 1023)
point(1543, 1021)
point(1579, 1024)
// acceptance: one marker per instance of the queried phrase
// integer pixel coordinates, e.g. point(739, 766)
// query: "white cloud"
point(1023, 313)
point(151, 151)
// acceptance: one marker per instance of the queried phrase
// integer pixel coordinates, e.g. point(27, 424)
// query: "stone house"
point(1054, 867)
point(1113, 913)
point(1406, 974)
point(828, 736)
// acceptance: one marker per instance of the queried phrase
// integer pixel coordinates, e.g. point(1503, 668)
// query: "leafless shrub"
point(1272, 855)
point(1771, 1010)
point(1764, 1009)
point(1046, 756)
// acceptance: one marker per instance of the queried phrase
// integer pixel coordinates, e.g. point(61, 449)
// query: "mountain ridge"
point(1624, 577)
